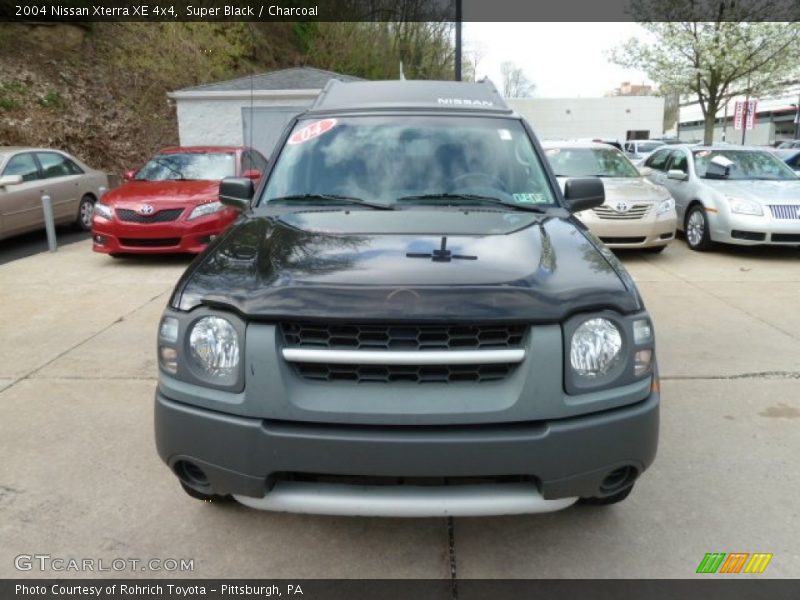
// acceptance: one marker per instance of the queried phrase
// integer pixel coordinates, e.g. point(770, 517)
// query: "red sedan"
point(172, 203)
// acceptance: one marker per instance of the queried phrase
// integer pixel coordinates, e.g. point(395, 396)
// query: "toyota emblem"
point(145, 209)
point(622, 206)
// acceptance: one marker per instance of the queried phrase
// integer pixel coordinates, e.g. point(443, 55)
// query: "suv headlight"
point(103, 210)
point(744, 207)
point(595, 348)
point(607, 350)
point(665, 206)
point(206, 209)
point(214, 347)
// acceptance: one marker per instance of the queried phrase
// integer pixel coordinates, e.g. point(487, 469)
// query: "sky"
point(564, 60)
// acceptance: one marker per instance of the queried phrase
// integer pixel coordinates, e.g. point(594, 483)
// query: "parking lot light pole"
point(458, 40)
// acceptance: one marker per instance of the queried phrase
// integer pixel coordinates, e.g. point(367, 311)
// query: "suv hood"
point(162, 193)
point(765, 192)
point(343, 265)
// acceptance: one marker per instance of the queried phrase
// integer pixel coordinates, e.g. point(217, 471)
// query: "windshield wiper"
point(471, 200)
point(170, 167)
point(332, 198)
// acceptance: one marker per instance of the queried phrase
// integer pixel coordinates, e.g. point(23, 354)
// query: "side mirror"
point(677, 174)
point(252, 174)
point(584, 193)
point(10, 180)
point(645, 171)
point(236, 192)
point(129, 175)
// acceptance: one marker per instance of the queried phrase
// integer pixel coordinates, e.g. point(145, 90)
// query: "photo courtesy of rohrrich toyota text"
point(491, 300)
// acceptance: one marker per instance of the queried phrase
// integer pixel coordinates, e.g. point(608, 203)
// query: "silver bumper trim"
point(389, 357)
point(411, 501)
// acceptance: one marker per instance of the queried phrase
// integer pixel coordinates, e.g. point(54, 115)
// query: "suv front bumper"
point(564, 459)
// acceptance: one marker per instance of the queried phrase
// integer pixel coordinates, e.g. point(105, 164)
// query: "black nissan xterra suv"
point(406, 320)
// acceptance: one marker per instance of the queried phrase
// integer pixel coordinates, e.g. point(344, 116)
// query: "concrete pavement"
point(80, 476)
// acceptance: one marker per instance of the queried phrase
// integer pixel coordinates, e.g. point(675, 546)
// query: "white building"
point(617, 118)
point(254, 110)
point(774, 121)
point(249, 110)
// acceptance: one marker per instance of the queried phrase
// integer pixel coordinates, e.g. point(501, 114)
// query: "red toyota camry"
point(172, 203)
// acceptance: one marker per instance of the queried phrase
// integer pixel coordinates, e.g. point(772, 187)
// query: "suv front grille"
point(402, 337)
point(411, 373)
point(378, 353)
point(162, 216)
point(637, 211)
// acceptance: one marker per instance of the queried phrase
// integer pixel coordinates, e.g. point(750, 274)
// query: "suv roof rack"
point(412, 95)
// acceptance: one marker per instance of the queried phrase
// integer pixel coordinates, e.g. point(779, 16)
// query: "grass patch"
point(52, 100)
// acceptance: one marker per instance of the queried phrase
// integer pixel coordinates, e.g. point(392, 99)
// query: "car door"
point(680, 189)
point(62, 183)
point(21, 204)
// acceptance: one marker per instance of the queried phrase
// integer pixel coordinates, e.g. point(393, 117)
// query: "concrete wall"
point(576, 118)
point(761, 134)
point(217, 120)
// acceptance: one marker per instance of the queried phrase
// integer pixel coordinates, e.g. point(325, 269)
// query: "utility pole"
point(458, 40)
point(725, 122)
point(746, 110)
point(797, 119)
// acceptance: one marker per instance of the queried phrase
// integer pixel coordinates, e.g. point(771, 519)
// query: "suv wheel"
point(697, 236)
point(606, 500)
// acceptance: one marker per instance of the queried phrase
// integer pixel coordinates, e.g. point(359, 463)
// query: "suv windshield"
point(590, 162)
point(747, 164)
point(410, 158)
point(210, 166)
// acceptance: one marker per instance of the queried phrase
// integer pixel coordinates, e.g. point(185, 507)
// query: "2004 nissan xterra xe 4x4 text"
point(407, 320)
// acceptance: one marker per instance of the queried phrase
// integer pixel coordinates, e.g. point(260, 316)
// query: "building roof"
point(296, 78)
point(417, 95)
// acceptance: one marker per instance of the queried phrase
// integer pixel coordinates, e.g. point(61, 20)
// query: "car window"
point(589, 162)
point(209, 166)
point(24, 165)
point(253, 160)
point(56, 165)
point(679, 162)
point(649, 146)
point(744, 164)
point(385, 158)
point(658, 160)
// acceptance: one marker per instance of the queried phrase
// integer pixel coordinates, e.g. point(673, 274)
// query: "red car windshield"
point(180, 166)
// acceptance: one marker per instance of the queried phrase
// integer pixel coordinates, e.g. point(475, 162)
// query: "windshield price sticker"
point(309, 132)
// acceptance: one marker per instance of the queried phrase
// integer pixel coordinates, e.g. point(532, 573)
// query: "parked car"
point(639, 150)
point(407, 321)
point(636, 213)
point(26, 174)
point(731, 194)
point(172, 204)
point(791, 157)
point(788, 145)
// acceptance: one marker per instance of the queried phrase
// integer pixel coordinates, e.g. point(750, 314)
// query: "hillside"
point(99, 90)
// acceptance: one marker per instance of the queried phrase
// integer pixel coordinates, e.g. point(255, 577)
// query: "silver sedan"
point(635, 214)
point(26, 174)
point(729, 194)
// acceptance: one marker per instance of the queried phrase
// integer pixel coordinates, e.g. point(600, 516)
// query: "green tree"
point(723, 52)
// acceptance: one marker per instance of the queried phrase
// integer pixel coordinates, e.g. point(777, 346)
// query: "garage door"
point(264, 125)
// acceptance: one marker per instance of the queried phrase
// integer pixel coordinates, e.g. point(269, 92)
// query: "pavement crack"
point(784, 375)
point(451, 549)
point(82, 342)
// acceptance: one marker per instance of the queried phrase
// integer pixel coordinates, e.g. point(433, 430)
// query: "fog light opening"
point(100, 240)
point(191, 474)
point(618, 480)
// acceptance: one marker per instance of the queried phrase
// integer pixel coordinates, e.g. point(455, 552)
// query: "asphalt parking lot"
point(80, 478)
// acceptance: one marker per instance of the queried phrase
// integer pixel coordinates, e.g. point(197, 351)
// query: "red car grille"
point(162, 216)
